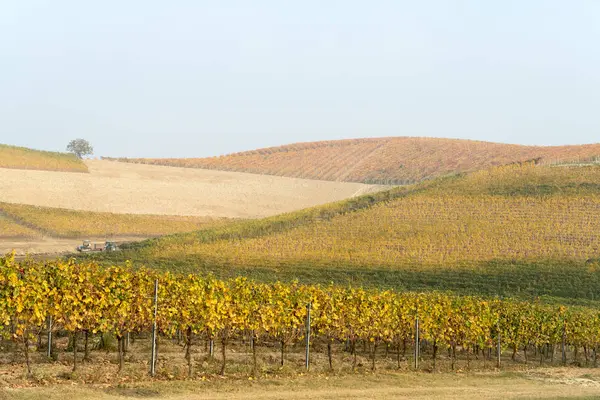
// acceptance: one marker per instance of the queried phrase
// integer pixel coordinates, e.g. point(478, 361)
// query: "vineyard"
point(519, 230)
point(524, 179)
point(24, 158)
point(82, 300)
point(426, 231)
point(18, 220)
point(394, 160)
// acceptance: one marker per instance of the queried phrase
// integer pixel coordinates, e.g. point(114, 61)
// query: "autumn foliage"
point(85, 298)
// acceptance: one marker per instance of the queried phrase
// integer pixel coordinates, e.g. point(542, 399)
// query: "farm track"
point(49, 247)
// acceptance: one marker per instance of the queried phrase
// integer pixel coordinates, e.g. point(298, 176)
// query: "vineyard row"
point(84, 298)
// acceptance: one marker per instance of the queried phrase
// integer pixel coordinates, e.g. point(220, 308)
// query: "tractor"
point(88, 246)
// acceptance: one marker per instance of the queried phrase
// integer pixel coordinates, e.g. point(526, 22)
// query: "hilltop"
point(394, 160)
point(24, 158)
point(521, 229)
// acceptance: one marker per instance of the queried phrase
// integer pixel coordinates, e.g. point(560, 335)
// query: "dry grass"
point(388, 386)
point(11, 229)
point(384, 160)
point(63, 223)
point(24, 158)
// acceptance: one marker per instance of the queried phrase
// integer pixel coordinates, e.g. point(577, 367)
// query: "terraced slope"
point(395, 160)
point(519, 229)
point(24, 158)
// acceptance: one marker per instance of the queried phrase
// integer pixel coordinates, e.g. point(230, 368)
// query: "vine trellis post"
point(154, 331)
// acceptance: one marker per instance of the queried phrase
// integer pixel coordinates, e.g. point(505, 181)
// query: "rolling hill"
point(146, 189)
point(24, 158)
point(39, 210)
point(394, 160)
point(521, 229)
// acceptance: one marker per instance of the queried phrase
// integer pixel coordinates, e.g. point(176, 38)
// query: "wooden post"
point(49, 350)
point(154, 329)
point(417, 343)
point(308, 308)
point(564, 345)
point(499, 350)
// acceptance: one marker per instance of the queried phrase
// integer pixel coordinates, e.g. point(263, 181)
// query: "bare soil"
point(146, 189)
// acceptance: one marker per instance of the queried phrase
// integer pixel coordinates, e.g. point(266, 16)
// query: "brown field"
point(145, 189)
point(397, 160)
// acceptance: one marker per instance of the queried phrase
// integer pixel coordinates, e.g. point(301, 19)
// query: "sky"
point(193, 78)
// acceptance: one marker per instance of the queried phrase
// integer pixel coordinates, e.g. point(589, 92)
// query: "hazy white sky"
point(197, 78)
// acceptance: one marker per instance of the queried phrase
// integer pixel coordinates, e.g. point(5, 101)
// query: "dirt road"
point(382, 386)
point(52, 246)
point(147, 189)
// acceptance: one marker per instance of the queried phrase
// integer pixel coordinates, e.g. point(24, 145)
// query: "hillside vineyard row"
point(422, 230)
point(86, 298)
point(399, 160)
point(518, 212)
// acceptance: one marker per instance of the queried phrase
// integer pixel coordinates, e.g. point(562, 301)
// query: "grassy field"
point(26, 221)
point(393, 160)
point(519, 230)
point(24, 158)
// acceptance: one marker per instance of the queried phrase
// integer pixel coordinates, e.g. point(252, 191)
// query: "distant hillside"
point(512, 230)
point(24, 158)
point(396, 160)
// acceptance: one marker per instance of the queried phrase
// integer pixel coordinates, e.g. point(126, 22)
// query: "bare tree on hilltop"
point(80, 147)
